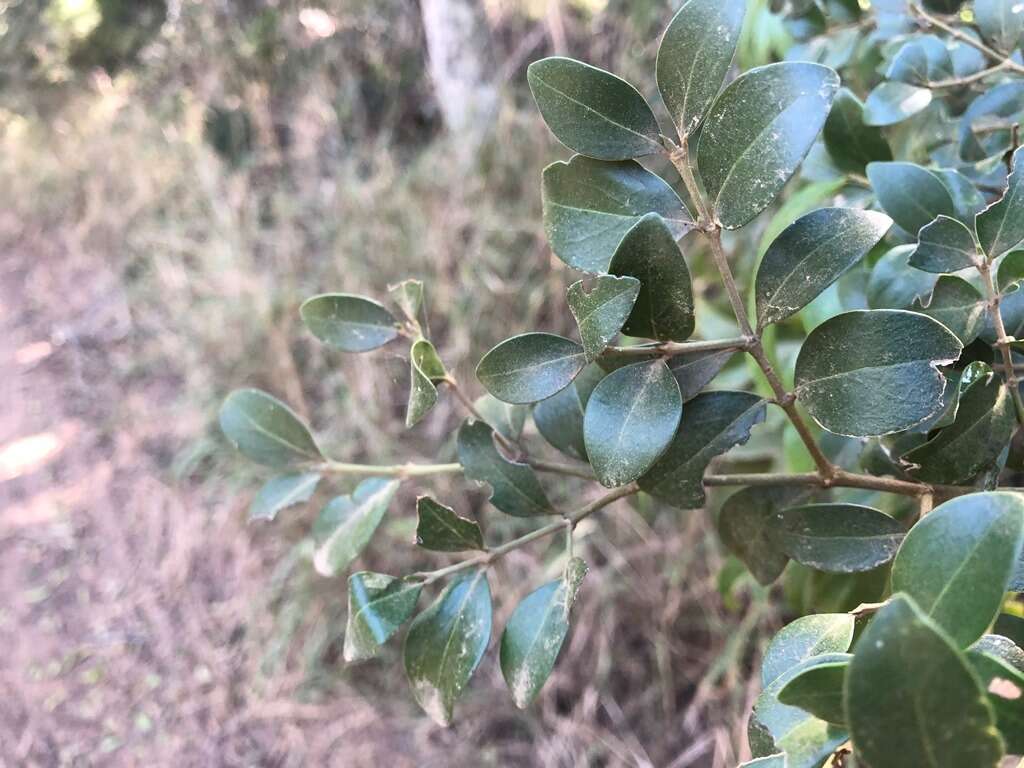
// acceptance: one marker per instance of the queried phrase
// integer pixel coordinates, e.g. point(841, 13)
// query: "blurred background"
point(175, 177)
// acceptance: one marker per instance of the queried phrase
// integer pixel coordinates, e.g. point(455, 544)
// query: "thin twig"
point(963, 37)
point(669, 348)
point(1002, 340)
point(386, 470)
point(956, 82)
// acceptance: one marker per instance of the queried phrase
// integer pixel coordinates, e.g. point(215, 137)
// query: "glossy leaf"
point(1001, 23)
point(850, 141)
point(438, 528)
point(349, 323)
point(589, 205)
point(921, 61)
point(446, 642)
point(810, 255)
point(892, 102)
point(986, 124)
point(982, 429)
point(530, 367)
point(346, 525)
point(909, 692)
point(818, 687)
point(630, 419)
point(838, 538)
point(559, 419)
point(535, 633)
point(600, 307)
point(591, 111)
point(282, 492)
point(912, 195)
point(999, 664)
point(695, 370)
point(874, 372)
point(377, 606)
point(757, 133)
point(1001, 226)
point(664, 307)
point(957, 561)
point(747, 527)
point(806, 638)
point(515, 489)
point(506, 418)
point(944, 245)
point(425, 371)
point(958, 305)
point(266, 430)
point(695, 55)
point(712, 423)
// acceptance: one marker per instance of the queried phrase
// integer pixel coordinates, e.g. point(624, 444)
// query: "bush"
point(897, 532)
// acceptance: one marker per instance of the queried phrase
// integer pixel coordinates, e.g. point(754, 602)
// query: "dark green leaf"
point(912, 195)
point(803, 639)
point(967, 199)
point(266, 430)
point(440, 529)
point(757, 133)
point(920, 61)
point(446, 642)
point(944, 245)
point(1001, 225)
point(818, 687)
point(530, 367)
point(982, 429)
point(712, 423)
point(282, 492)
point(838, 538)
point(346, 525)
point(1011, 271)
point(810, 255)
point(601, 306)
point(746, 524)
point(535, 633)
point(591, 111)
point(957, 561)
point(999, 664)
point(890, 103)
point(630, 419)
point(377, 606)
point(1001, 23)
point(507, 419)
point(910, 696)
point(850, 141)
point(695, 56)
point(589, 205)
point(425, 371)
point(873, 372)
point(958, 305)
point(559, 419)
point(664, 308)
point(986, 125)
point(695, 370)
point(893, 284)
point(515, 489)
point(349, 323)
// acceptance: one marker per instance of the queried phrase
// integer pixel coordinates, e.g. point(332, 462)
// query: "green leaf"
point(346, 525)
point(515, 489)
point(1011, 271)
point(589, 205)
point(630, 419)
point(507, 419)
point(818, 687)
point(559, 419)
point(770, 761)
point(378, 605)
point(695, 370)
point(891, 102)
point(982, 429)
point(957, 561)
point(850, 141)
point(349, 323)
point(664, 307)
point(694, 57)
point(282, 492)
point(446, 642)
point(1001, 23)
point(910, 696)
point(712, 423)
point(967, 199)
point(805, 638)
point(944, 245)
point(912, 195)
point(873, 372)
point(601, 306)
point(920, 61)
point(425, 370)
point(999, 664)
point(1001, 226)
point(530, 367)
point(893, 284)
point(535, 633)
point(746, 524)
point(810, 255)
point(757, 133)
point(958, 305)
point(438, 528)
point(591, 111)
point(266, 430)
point(408, 295)
point(838, 538)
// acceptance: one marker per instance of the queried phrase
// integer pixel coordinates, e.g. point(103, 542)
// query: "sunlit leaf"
point(346, 525)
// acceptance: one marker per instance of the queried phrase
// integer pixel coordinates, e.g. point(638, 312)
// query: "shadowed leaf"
point(349, 323)
point(266, 430)
point(440, 529)
point(346, 525)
